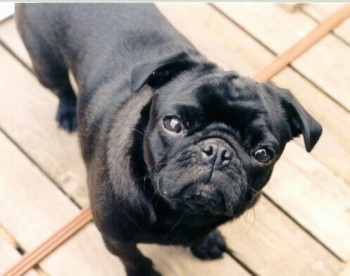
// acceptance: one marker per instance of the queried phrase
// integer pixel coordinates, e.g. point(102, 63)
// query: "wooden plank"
point(332, 73)
point(178, 261)
point(333, 149)
point(33, 198)
point(291, 7)
point(37, 208)
point(169, 260)
point(39, 253)
point(9, 255)
point(10, 37)
point(303, 45)
point(216, 29)
point(272, 29)
point(84, 254)
point(217, 38)
point(320, 201)
point(346, 270)
point(6, 10)
point(165, 262)
point(320, 11)
point(271, 244)
point(27, 110)
point(280, 33)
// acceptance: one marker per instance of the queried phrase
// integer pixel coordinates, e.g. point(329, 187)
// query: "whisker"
point(138, 131)
point(252, 189)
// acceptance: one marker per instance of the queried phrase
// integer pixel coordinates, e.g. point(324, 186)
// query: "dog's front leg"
point(134, 262)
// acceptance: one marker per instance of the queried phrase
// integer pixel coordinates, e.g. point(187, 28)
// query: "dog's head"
point(213, 137)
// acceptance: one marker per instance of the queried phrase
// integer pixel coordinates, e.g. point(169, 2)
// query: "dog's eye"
point(263, 155)
point(172, 124)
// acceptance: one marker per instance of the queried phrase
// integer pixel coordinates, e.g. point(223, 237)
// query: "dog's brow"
point(189, 112)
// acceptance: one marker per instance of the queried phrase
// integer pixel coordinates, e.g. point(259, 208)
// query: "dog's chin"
point(205, 198)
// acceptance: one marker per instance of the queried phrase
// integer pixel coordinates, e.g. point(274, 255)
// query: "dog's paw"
point(67, 116)
point(144, 273)
point(144, 268)
point(211, 247)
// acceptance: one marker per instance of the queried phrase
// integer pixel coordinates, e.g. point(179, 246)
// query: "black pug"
point(174, 146)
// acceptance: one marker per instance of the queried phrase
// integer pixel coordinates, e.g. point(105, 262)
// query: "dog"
point(174, 146)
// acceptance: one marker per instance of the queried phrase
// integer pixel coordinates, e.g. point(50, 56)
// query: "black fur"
point(173, 145)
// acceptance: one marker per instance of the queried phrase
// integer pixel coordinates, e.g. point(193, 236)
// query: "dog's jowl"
point(174, 146)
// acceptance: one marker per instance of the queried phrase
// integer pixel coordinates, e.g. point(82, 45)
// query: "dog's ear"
point(158, 73)
point(299, 120)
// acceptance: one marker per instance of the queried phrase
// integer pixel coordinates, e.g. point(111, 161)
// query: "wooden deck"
point(300, 227)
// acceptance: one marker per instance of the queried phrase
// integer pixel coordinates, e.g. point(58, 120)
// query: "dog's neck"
point(126, 134)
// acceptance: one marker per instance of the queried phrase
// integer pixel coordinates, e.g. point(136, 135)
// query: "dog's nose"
point(214, 153)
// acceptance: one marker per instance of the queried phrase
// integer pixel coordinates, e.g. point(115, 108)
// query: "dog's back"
point(99, 44)
point(109, 39)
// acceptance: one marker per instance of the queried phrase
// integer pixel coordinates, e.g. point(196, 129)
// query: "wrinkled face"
point(211, 145)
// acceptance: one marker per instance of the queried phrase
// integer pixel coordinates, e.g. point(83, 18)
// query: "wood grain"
point(9, 255)
point(320, 11)
point(279, 34)
point(178, 261)
point(346, 270)
point(27, 111)
point(304, 44)
point(32, 209)
point(271, 244)
point(315, 197)
point(34, 256)
point(333, 149)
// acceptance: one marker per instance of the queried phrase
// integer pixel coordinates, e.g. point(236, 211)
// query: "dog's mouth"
point(204, 197)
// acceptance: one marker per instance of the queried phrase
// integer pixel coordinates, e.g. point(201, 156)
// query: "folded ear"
point(158, 73)
point(300, 121)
